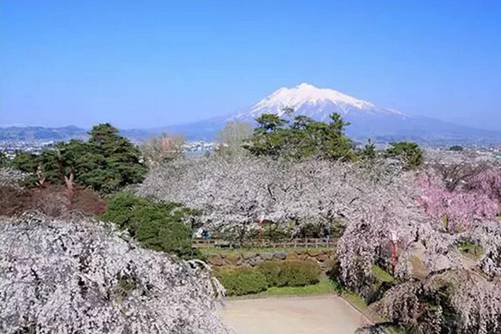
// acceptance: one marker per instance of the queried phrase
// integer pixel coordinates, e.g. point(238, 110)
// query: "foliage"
point(334, 275)
point(159, 226)
point(470, 249)
point(163, 149)
point(301, 138)
point(107, 162)
point(241, 281)
point(381, 275)
point(456, 148)
point(290, 273)
point(4, 161)
point(25, 161)
point(80, 275)
point(410, 153)
point(369, 152)
point(28, 163)
point(324, 286)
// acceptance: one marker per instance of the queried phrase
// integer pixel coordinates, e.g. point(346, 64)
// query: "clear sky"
point(142, 63)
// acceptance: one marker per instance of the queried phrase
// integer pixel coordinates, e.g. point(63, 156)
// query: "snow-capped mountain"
point(367, 120)
point(318, 103)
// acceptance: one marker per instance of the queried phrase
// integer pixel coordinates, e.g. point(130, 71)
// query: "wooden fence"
point(294, 243)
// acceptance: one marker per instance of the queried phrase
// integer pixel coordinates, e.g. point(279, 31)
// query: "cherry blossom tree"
point(421, 305)
point(234, 194)
point(457, 209)
point(80, 275)
point(488, 182)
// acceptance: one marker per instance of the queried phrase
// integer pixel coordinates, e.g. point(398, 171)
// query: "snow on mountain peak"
point(317, 103)
point(307, 94)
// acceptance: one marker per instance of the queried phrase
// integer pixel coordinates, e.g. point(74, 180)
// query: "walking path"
point(292, 315)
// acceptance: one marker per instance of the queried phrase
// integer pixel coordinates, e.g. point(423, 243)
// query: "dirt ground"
point(295, 315)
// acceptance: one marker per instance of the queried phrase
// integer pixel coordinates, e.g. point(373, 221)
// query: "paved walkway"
point(294, 315)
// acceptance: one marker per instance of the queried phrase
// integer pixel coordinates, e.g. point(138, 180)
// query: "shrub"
point(242, 281)
point(334, 275)
point(382, 281)
point(290, 273)
point(157, 225)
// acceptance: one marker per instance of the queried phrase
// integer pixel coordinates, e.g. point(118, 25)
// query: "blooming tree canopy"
point(80, 275)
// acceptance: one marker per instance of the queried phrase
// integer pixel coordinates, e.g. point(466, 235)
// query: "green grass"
point(395, 330)
point(381, 275)
point(243, 251)
point(356, 300)
point(470, 250)
point(359, 303)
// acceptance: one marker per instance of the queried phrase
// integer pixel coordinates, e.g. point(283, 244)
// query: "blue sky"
point(153, 63)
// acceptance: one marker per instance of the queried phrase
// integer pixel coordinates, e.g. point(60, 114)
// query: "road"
point(294, 315)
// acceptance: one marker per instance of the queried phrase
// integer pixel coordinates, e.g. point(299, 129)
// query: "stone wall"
point(324, 257)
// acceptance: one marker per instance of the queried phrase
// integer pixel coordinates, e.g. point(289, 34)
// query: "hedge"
point(241, 281)
point(290, 273)
point(156, 225)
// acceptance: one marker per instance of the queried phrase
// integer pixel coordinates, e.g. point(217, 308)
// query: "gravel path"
point(295, 315)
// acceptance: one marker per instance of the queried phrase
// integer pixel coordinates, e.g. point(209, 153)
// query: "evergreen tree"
point(4, 161)
point(408, 152)
point(369, 151)
point(157, 225)
point(300, 138)
point(106, 162)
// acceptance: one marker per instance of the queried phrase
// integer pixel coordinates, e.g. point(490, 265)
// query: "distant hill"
point(38, 133)
point(367, 121)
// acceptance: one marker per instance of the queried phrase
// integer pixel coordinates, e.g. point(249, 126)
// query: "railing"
point(294, 243)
